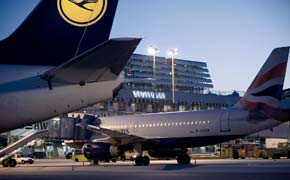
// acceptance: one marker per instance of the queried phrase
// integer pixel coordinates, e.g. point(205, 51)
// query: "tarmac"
point(50, 169)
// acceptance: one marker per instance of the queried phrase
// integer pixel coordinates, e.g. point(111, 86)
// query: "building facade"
point(149, 90)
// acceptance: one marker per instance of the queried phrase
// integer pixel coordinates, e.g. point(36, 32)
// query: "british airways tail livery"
point(60, 59)
point(265, 92)
point(170, 134)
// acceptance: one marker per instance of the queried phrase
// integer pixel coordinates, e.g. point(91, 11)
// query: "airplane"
point(60, 59)
point(170, 134)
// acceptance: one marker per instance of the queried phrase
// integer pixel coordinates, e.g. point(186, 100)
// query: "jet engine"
point(101, 151)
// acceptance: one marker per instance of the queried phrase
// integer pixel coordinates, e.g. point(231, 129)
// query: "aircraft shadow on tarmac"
point(172, 167)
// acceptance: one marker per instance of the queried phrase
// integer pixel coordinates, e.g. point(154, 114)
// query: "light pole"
point(153, 50)
point(172, 53)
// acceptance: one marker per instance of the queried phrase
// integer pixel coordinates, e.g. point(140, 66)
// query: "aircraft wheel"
point(142, 161)
point(183, 159)
point(146, 161)
point(139, 161)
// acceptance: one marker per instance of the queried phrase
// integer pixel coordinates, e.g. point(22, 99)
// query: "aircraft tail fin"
point(58, 30)
point(265, 92)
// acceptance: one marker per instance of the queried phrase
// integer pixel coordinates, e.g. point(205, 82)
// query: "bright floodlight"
point(152, 50)
point(172, 52)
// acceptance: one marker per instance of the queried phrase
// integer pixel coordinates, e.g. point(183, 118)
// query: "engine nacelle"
point(101, 151)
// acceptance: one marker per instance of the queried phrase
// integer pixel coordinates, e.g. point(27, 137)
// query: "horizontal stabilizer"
point(102, 63)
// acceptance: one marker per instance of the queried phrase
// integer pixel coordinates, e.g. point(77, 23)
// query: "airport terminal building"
point(142, 93)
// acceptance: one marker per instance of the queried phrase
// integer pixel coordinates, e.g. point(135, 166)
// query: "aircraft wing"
point(101, 63)
point(115, 137)
point(122, 137)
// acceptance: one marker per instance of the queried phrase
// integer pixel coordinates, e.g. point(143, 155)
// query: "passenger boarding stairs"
point(7, 151)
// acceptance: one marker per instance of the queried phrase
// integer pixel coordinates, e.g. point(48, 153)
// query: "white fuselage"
point(25, 97)
point(232, 122)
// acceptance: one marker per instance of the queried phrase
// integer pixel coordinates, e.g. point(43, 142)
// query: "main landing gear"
point(183, 159)
point(140, 160)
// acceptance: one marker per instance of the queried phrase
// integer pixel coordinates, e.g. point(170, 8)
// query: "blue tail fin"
point(58, 30)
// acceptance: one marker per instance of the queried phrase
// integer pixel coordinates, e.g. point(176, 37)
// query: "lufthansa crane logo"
point(82, 12)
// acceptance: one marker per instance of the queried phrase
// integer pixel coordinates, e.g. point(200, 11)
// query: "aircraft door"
point(225, 121)
point(135, 127)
